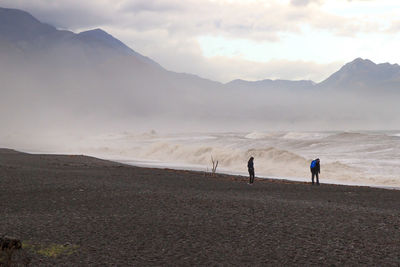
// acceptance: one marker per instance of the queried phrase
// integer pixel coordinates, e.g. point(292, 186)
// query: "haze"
point(59, 81)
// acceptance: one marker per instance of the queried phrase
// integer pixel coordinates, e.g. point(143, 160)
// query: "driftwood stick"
point(215, 165)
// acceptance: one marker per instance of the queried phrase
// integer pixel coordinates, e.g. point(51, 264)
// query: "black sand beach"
point(77, 210)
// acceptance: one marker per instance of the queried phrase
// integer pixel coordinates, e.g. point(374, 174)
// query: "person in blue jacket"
point(315, 170)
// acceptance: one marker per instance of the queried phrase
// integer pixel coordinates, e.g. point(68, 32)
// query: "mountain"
point(21, 33)
point(98, 38)
point(358, 74)
point(89, 74)
point(19, 26)
point(364, 74)
point(27, 35)
point(57, 79)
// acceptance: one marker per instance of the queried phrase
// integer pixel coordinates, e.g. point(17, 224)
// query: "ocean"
point(351, 158)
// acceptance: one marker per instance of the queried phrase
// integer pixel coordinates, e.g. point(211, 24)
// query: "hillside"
point(63, 80)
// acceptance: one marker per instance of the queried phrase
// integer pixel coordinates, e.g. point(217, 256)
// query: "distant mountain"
point(57, 78)
point(99, 38)
point(364, 74)
point(91, 70)
point(19, 26)
point(28, 35)
point(358, 74)
point(21, 33)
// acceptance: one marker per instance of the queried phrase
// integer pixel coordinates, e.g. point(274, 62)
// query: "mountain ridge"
point(361, 73)
point(57, 78)
point(20, 26)
point(354, 69)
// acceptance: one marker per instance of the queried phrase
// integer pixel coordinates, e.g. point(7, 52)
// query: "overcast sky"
point(229, 39)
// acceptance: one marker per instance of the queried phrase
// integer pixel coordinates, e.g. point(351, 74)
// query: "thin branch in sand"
point(214, 166)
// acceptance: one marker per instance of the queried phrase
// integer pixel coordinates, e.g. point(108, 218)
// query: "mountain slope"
point(364, 74)
point(90, 72)
point(17, 26)
point(62, 80)
point(99, 38)
point(27, 35)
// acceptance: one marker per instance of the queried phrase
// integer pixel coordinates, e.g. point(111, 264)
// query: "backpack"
point(313, 164)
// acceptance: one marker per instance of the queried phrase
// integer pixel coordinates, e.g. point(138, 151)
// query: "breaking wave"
point(346, 157)
point(258, 135)
point(305, 135)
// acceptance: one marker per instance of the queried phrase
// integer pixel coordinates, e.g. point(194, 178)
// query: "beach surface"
point(78, 211)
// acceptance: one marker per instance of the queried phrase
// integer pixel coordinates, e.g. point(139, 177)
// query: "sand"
point(104, 213)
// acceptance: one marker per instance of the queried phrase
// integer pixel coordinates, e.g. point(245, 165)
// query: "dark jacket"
point(250, 164)
point(316, 169)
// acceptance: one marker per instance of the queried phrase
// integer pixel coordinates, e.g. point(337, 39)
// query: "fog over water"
point(361, 158)
point(66, 92)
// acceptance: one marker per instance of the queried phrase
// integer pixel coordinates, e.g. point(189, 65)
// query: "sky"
point(225, 40)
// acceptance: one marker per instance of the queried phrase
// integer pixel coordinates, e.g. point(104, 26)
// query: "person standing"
point(315, 170)
point(250, 167)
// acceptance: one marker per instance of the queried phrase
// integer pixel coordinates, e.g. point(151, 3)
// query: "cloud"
point(167, 30)
point(394, 27)
point(186, 56)
point(257, 20)
point(275, 69)
point(304, 2)
point(152, 6)
point(71, 14)
point(307, 2)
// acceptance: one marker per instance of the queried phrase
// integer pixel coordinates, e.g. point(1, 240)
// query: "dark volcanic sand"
point(122, 215)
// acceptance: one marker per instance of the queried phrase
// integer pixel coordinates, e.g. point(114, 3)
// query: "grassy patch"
point(52, 250)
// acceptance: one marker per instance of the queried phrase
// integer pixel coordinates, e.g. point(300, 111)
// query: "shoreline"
point(173, 166)
point(197, 168)
point(77, 210)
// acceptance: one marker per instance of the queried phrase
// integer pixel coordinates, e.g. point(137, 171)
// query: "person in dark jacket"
point(250, 167)
point(315, 170)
